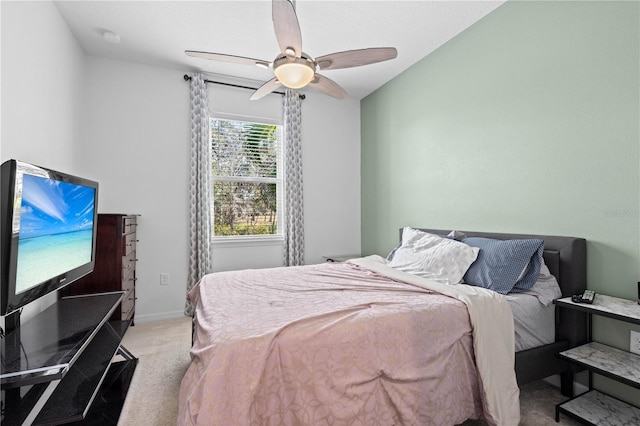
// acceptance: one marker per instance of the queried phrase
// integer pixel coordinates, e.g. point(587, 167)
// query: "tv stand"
point(58, 367)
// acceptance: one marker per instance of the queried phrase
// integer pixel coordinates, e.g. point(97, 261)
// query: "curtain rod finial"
point(186, 77)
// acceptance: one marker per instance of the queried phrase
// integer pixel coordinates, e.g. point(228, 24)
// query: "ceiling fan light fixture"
point(295, 69)
point(294, 72)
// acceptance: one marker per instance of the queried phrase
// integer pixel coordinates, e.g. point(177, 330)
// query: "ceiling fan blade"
point(265, 89)
point(287, 28)
point(328, 87)
point(356, 58)
point(226, 58)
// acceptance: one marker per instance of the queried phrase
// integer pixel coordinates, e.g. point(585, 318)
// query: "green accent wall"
point(526, 122)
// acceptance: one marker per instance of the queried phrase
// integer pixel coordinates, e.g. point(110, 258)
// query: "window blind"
point(247, 177)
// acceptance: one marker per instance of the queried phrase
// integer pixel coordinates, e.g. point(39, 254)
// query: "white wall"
point(137, 147)
point(43, 83)
point(331, 161)
point(127, 126)
point(42, 86)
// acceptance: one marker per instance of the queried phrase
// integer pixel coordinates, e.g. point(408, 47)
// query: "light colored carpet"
point(162, 349)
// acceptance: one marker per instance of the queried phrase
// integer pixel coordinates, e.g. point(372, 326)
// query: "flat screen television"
point(47, 231)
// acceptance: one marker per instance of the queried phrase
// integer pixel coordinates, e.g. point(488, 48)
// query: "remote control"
point(588, 296)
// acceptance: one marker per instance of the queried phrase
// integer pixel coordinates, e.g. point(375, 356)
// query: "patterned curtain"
point(200, 196)
point(293, 199)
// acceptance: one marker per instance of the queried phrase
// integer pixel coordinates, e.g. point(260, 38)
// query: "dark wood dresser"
point(115, 268)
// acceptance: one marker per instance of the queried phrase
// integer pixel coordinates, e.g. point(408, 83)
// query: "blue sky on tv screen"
point(53, 207)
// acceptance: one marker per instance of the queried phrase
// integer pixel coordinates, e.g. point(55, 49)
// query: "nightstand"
point(594, 407)
point(341, 258)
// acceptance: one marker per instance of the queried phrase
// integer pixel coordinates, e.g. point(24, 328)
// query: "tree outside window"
point(247, 178)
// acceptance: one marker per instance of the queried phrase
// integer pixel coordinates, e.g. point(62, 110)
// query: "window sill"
point(276, 240)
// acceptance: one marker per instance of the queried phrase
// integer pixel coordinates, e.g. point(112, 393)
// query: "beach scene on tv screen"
point(55, 231)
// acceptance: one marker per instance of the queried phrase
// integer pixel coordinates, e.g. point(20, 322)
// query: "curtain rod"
point(187, 78)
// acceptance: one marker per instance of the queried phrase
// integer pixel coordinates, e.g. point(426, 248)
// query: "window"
point(247, 178)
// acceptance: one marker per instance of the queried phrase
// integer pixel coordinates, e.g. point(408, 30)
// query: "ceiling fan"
point(295, 69)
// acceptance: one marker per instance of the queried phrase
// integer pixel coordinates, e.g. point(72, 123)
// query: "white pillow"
point(430, 256)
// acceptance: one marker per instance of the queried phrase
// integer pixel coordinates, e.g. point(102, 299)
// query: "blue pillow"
point(505, 265)
point(532, 273)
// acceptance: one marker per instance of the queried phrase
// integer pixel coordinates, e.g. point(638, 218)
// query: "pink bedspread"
point(332, 344)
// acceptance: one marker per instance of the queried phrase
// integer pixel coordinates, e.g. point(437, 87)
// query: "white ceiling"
point(158, 32)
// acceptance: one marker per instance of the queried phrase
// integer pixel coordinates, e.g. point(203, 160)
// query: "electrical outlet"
point(164, 278)
point(634, 345)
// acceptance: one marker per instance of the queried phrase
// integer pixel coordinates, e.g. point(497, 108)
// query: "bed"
point(566, 258)
point(363, 343)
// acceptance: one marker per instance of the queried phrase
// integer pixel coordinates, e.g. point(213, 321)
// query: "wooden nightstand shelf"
point(595, 407)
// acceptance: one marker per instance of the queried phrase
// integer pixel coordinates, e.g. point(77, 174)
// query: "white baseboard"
point(159, 316)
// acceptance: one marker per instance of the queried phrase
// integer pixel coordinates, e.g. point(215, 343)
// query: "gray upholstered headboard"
point(566, 258)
